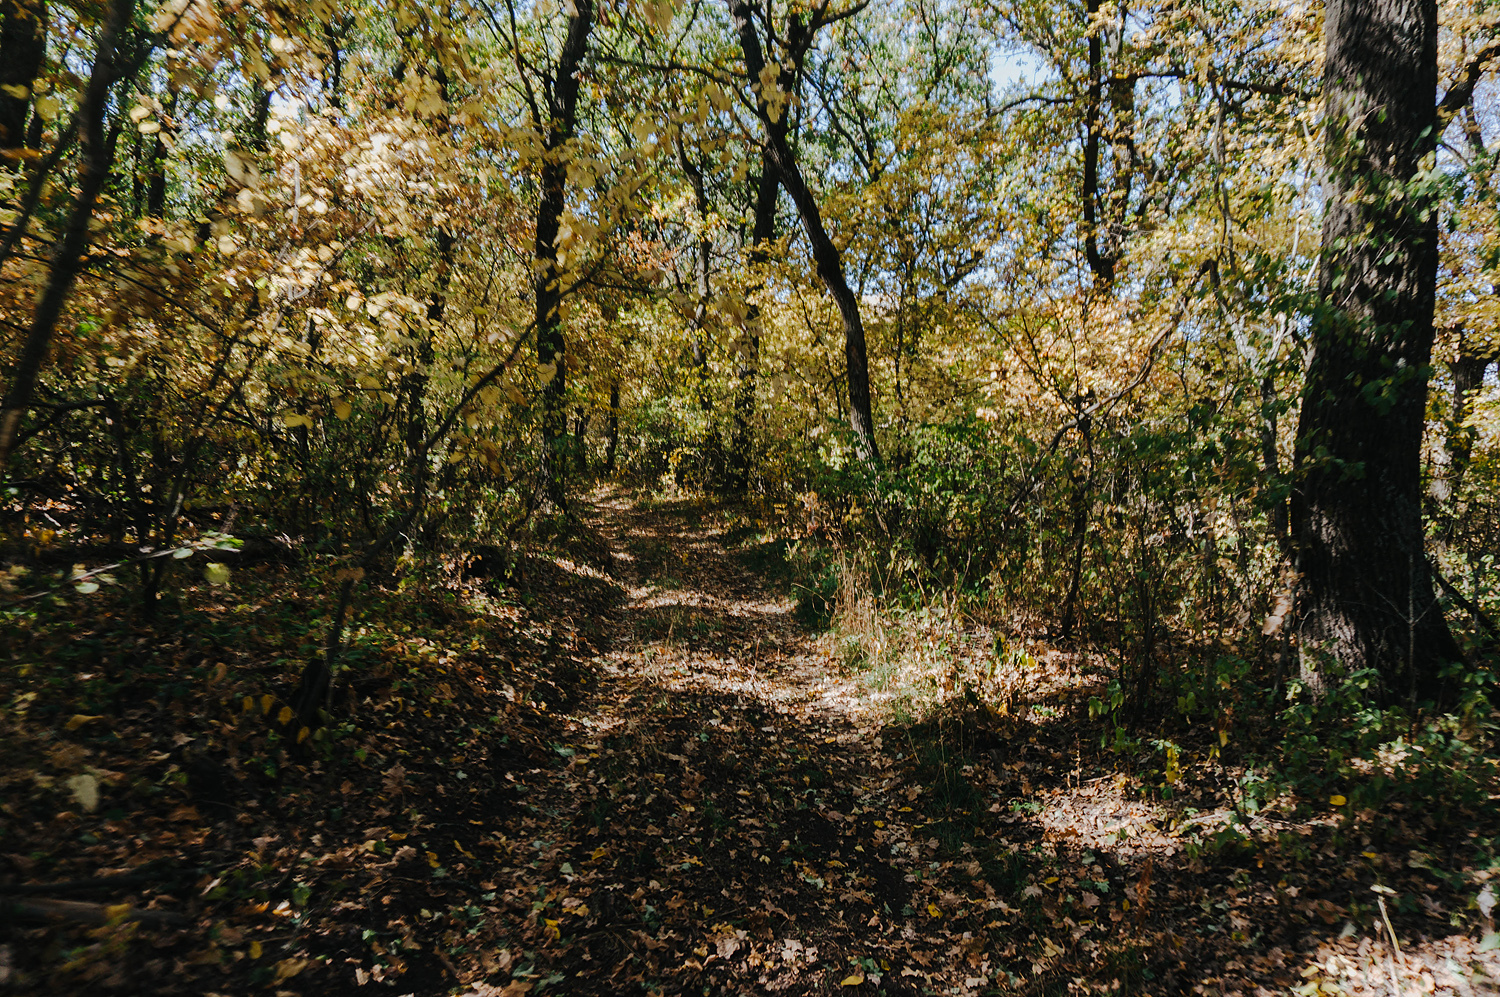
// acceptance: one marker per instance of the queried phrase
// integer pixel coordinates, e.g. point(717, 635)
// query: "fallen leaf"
point(85, 790)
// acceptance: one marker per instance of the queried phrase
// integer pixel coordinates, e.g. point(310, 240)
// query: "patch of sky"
point(1018, 68)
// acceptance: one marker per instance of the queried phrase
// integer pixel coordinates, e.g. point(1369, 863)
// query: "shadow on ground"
point(735, 815)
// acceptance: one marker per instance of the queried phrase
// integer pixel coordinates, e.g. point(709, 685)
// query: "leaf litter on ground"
point(649, 775)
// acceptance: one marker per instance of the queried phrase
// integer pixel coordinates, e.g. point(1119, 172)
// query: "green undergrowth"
point(1205, 712)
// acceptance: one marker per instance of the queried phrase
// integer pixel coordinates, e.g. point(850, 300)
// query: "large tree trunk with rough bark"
point(1366, 595)
point(551, 344)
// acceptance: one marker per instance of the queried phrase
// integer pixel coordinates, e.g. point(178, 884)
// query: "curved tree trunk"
point(1366, 596)
point(826, 256)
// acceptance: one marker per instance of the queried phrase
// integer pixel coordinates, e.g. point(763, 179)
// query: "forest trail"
point(732, 813)
point(630, 766)
point(727, 818)
point(731, 819)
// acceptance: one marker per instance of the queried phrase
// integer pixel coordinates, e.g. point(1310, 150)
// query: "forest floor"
point(667, 781)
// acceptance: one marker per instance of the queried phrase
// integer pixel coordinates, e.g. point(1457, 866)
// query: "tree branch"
point(1462, 90)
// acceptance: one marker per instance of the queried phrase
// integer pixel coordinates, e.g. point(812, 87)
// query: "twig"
point(154, 873)
point(81, 912)
point(99, 571)
point(1472, 608)
point(1391, 932)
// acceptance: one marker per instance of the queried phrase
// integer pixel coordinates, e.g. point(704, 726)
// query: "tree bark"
point(826, 255)
point(762, 232)
point(97, 154)
point(1270, 458)
point(697, 324)
point(612, 432)
point(551, 345)
point(23, 45)
point(1083, 499)
point(1366, 592)
point(156, 173)
point(1457, 442)
point(1102, 265)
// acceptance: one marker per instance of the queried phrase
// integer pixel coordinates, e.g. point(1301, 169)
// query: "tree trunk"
point(1083, 500)
point(1453, 452)
point(581, 439)
point(1270, 457)
point(701, 259)
point(551, 345)
point(415, 381)
point(1102, 264)
point(762, 232)
point(96, 154)
point(1366, 593)
point(23, 45)
point(612, 433)
point(156, 178)
point(826, 256)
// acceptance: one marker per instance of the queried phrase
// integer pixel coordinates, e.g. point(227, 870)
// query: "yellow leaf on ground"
point(852, 981)
point(1337, 801)
point(255, 950)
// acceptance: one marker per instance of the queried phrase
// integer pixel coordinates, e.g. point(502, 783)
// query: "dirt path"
point(728, 814)
point(726, 821)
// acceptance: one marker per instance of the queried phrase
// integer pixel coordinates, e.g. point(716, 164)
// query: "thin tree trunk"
point(260, 118)
point(762, 232)
point(701, 259)
point(1281, 530)
point(97, 153)
point(156, 173)
point(1366, 595)
point(414, 383)
point(826, 256)
point(1102, 265)
point(551, 346)
point(1083, 502)
point(333, 84)
point(1452, 459)
point(612, 435)
point(581, 439)
point(1121, 140)
point(23, 46)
